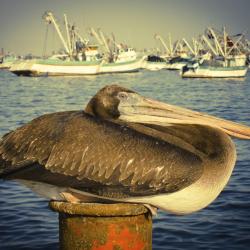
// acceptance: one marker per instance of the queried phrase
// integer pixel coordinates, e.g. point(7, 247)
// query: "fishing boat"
point(124, 61)
point(79, 57)
point(208, 71)
point(227, 60)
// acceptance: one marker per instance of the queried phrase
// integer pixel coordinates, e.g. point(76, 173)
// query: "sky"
point(134, 22)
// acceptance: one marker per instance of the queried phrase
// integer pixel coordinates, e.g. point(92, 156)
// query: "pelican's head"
point(105, 104)
point(116, 102)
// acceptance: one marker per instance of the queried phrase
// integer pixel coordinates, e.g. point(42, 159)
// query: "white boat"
point(125, 55)
point(227, 60)
point(214, 72)
point(55, 68)
point(124, 61)
point(79, 57)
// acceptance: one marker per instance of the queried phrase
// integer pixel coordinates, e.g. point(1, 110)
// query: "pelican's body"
point(99, 154)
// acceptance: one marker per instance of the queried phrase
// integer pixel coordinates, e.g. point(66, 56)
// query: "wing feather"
point(119, 158)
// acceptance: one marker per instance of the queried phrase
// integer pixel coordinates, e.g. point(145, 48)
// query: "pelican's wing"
point(105, 158)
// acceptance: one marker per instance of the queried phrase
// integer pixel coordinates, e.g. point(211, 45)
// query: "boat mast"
point(101, 40)
point(163, 43)
point(67, 32)
point(85, 41)
point(48, 16)
point(114, 43)
point(235, 44)
point(216, 41)
point(170, 44)
point(193, 51)
point(177, 44)
point(73, 37)
point(225, 41)
point(209, 45)
point(104, 41)
point(196, 46)
point(93, 32)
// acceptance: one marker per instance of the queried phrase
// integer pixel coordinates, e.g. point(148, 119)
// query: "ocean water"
point(25, 219)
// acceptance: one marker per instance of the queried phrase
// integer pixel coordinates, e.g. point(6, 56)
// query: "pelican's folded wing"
point(101, 157)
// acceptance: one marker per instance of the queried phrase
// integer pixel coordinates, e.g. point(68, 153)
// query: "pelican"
point(124, 148)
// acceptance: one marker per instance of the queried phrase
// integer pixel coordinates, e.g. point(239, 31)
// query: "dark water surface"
point(27, 223)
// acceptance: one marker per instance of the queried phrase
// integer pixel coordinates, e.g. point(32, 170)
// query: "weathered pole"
point(95, 226)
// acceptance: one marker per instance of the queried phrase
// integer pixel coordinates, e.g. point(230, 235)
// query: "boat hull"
point(6, 65)
point(155, 66)
point(214, 72)
point(30, 68)
point(175, 66)
point(122, 67)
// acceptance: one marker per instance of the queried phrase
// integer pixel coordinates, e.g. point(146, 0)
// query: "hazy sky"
point(134, 22)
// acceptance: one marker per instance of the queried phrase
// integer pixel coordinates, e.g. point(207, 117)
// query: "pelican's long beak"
point(139, 109)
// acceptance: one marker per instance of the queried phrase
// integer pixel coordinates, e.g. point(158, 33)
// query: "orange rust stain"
point(122, 238)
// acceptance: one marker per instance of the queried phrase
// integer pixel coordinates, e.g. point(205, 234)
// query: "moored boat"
point(78, 58)
point(214, 72)
point(227, 58)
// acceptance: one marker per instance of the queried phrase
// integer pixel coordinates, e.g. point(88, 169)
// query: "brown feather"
point(103, 157)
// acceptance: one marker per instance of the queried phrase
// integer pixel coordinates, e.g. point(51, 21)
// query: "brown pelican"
point(127, 148)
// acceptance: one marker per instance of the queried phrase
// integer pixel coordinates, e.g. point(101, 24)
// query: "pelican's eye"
point(123, 96)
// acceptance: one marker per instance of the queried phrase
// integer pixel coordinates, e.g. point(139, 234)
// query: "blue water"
point(27, 223)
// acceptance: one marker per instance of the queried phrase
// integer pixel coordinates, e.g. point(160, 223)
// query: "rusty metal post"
point(94, 226)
